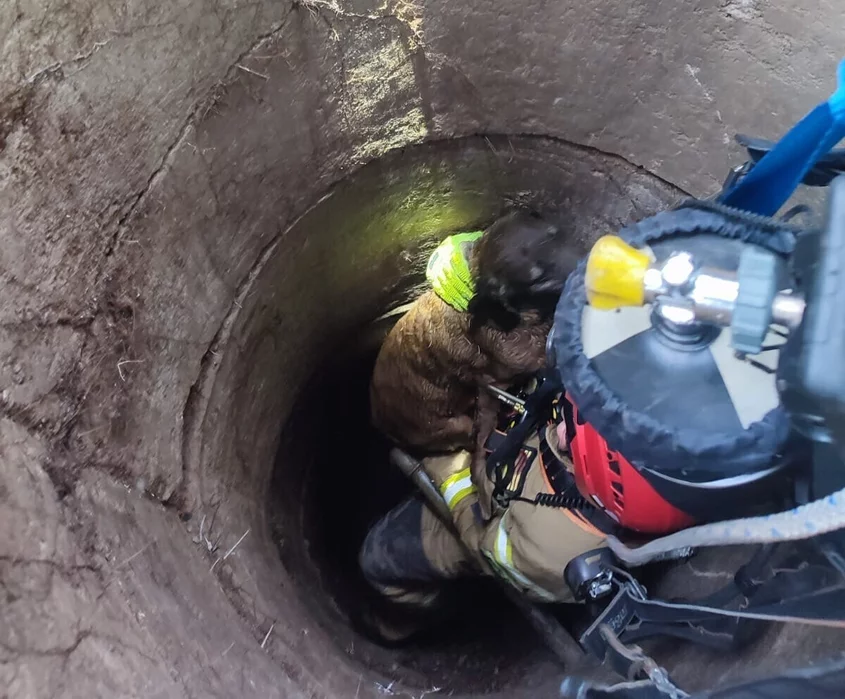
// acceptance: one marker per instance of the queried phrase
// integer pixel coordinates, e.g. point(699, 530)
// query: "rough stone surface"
point(167, 292)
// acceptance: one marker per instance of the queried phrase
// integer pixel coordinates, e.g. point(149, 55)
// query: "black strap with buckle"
point(502, 462)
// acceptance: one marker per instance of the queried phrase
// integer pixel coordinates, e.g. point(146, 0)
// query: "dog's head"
point(521, 263)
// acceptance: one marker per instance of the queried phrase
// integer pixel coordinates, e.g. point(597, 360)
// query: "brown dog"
point(425, 384)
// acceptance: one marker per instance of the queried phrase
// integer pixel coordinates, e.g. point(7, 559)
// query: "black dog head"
point(521, 264)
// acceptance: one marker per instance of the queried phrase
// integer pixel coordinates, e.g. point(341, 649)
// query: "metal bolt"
point(678, 269)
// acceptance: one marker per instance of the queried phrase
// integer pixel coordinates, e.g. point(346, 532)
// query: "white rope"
point(814, 518)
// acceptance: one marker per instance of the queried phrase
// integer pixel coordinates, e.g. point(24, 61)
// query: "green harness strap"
point(448, 270)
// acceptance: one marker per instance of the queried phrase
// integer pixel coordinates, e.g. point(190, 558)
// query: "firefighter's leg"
point(394, 562)
point(410, 552)
point(393, 557)
point(530, 545)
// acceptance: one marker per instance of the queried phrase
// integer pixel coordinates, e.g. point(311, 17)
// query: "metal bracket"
point(734, 176)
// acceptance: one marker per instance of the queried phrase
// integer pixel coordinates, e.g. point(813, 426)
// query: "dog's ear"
point(485, 310)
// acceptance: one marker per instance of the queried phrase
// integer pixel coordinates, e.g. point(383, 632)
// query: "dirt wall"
point(154, 158)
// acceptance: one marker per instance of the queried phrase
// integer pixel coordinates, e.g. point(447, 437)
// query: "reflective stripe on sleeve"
point(457, 487)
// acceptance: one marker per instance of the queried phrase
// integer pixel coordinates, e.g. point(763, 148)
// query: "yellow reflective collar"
point(448, 270)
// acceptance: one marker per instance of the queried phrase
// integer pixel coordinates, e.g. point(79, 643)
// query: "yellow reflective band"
point(503, 555)
point(457, 487)
point(448, 270)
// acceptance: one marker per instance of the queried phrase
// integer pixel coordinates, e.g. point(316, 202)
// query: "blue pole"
point(773, 180)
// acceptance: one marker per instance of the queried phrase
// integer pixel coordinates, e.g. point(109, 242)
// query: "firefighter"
point(411, 552)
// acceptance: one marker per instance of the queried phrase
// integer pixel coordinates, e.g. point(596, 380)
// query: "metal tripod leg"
point(555, 636)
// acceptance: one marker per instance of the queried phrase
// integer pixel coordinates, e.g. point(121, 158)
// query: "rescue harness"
point(509, 457)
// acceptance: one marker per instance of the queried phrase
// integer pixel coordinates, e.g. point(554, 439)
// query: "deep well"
point(205, 204)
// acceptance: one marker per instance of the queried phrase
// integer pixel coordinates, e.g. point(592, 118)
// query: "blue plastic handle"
point(772, 181)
